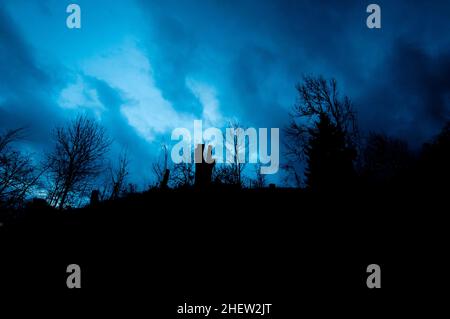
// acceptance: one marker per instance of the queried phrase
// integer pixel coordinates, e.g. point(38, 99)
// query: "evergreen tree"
point(329, 161)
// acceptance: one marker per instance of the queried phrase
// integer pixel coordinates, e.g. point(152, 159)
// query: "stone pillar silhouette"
point(203, 167)
point(95, 197)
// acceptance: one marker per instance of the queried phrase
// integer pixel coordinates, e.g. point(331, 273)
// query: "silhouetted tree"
point(77, 158)
point(260, 179)
point(292, 175)
point(118, 176)
point(238, 146)
point(385, 158)
point(323, 132)
point(18, 174)
point(224, 174)
point(161, 167)
point(434, 161)
point(329, 162)
point(183, 174)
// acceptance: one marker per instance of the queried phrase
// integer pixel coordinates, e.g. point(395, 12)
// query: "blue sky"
point(143, 68)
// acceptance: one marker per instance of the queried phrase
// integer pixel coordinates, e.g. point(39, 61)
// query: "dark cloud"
point(140, 153)
point(17, 68)
point(25, 89)
point(409, 94)
point(255, 53)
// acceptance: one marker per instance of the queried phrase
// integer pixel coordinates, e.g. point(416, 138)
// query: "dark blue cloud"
point(409, 95)
point(25, 88)
point(256, 51)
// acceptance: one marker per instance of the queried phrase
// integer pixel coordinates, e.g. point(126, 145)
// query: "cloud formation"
point(144, 67)
point(26, 89)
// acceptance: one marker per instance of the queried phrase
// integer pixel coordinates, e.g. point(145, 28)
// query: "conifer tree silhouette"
point(329, 160)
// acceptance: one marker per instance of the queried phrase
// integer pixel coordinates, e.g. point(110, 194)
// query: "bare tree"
point(161, 167)
point(183, 174)
point(18, 174)
point(260, 180)
point(76, 160)
point(118, 176)
point(237, 147)
point(292, 175)
point(224, 174)
point(319, 97)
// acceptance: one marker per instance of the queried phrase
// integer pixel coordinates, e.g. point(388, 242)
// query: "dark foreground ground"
point(145, 255)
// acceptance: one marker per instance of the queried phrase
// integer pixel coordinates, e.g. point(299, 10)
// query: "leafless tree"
point(260, 180)
point(224, 174)
point(161, 167)
point(118, 176)
point(319, 97)
point(18, 174)
point(76, 159)
point(292, 175)
point(237, 147)
point(183, 174)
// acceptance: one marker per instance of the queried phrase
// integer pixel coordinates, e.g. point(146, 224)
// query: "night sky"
point(143, 68)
